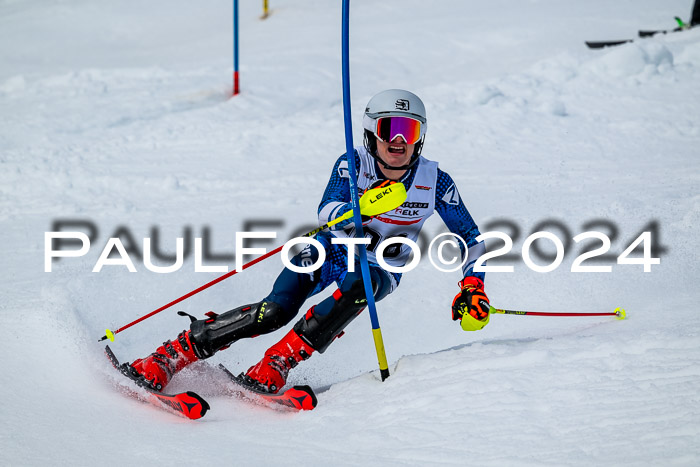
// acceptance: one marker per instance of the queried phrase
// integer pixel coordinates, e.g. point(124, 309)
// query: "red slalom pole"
point(619, 313)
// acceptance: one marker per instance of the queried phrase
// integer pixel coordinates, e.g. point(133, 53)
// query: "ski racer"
point(395, 125)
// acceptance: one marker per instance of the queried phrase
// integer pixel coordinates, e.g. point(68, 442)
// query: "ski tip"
point(203, 406)
point(303, 397)
point(621, 313)
point(112, 358)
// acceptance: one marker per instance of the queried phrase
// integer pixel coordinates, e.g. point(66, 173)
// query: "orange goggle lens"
point(389, 128)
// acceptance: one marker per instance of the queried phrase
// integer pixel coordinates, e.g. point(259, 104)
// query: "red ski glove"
point(471, 305)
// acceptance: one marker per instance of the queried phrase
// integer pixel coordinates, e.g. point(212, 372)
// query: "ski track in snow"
point(119, 114)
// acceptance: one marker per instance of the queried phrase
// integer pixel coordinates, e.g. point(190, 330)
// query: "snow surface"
point(119, 113)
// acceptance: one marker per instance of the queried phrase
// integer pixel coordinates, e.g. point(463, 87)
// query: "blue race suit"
point(292, 289)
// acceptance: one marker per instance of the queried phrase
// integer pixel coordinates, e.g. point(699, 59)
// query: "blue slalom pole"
point(364, 265)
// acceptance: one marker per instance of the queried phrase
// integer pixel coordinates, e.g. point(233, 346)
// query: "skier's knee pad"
point(319, 330)
point(217, 332)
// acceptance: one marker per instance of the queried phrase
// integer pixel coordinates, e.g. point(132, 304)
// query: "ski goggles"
point(390, 128)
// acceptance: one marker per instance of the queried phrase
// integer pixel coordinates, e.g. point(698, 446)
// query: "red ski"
point(188, 404)
point(297, 397)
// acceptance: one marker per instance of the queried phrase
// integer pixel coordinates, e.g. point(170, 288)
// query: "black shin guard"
point(320, 330)
point(213, 334)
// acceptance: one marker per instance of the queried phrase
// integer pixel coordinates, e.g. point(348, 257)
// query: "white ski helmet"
point(393, 103)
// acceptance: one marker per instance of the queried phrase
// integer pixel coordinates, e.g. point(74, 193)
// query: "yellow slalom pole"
point(266, 10)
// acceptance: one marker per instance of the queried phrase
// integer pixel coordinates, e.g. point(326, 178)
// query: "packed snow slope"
point(118, 114)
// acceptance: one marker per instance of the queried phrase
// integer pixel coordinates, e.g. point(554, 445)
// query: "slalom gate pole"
point(364, 265)
point(619, 313)
point(266, 10)
point(236, 89)
point(374, 206)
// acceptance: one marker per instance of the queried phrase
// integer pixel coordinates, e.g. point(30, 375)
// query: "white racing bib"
point(406, 220)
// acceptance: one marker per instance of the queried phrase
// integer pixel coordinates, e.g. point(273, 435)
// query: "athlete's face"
point(397, 153)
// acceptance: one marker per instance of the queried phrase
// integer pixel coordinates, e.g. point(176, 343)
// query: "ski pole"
point(373, 202)
point(619, 312)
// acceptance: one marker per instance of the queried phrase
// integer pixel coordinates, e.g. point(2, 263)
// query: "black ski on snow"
point(297, 397)
point(641, 32)
point(601, 44)
point(649, 33)
point(188, 404)
point(681, 26)
point(694, 21)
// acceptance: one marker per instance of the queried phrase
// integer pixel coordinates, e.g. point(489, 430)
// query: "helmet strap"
point(411, 163)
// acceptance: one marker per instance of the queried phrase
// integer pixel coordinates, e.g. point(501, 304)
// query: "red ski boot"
point(270, 374)
point(158, 368)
